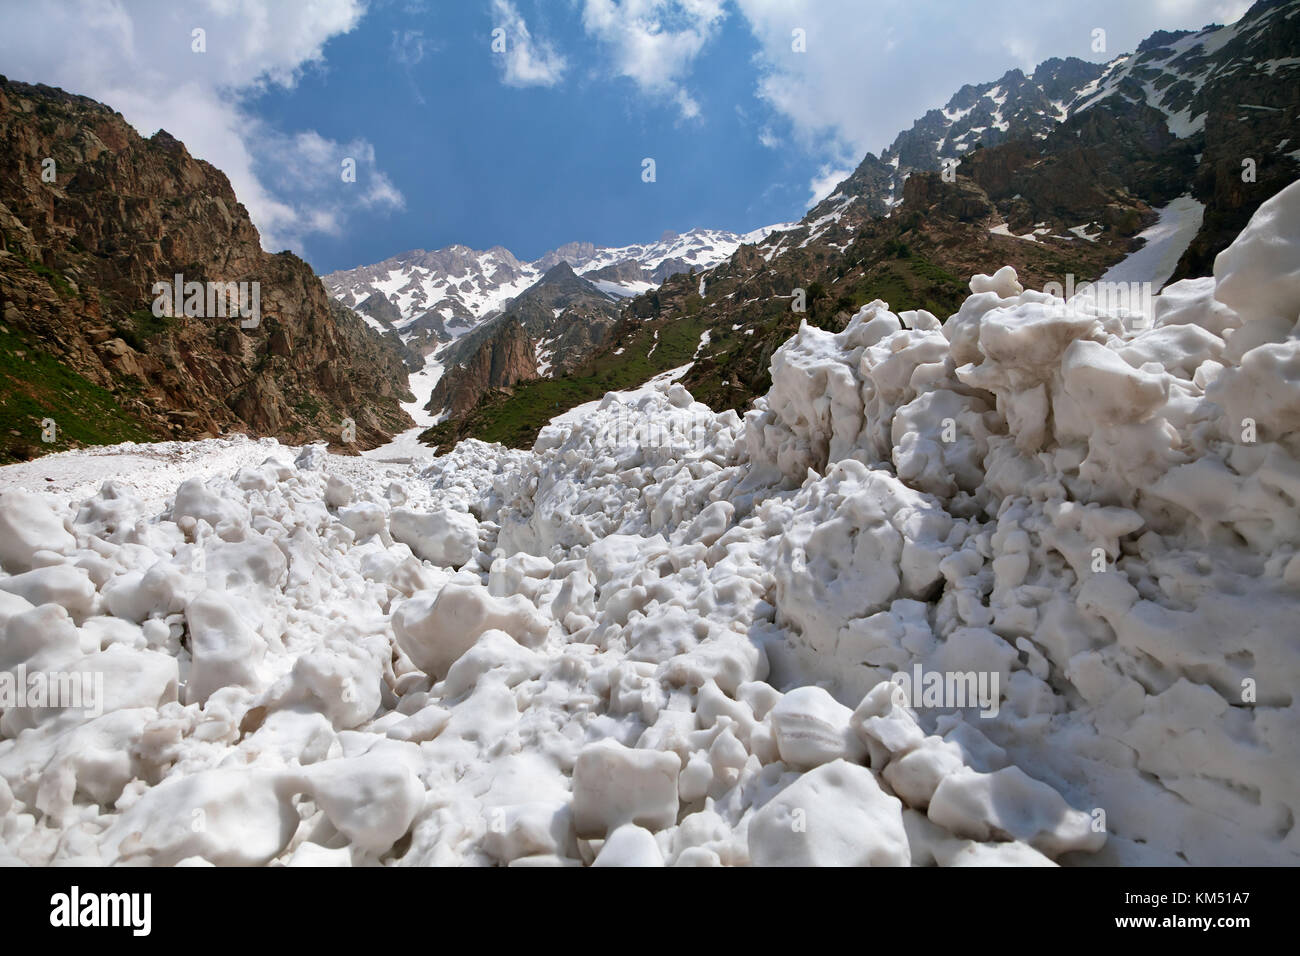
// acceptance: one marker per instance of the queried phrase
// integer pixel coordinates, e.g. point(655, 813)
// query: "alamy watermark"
point(948, 689)
point(73, 909)
point(1133, 300)
point(629, 428)
point(61, 690)
point(209, 300)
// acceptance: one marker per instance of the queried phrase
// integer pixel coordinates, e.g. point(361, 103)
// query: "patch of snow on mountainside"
point(473, 284)
point(622, 290)
point(664, 634)
point(1165, 243)
point(406, 446)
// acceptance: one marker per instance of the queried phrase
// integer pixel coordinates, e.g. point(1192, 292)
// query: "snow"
point(622, 290)
point(665, 635)
point(483, 286)
point(406, 446)
point(1002, 229)
point(372, 322)
point(544, 354)
point(1164, 244)
point(1279, 63)
point(705, 338)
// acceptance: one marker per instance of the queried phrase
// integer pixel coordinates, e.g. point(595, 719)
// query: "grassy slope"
point(35, 386)
point(514, 417)
point(739, 360)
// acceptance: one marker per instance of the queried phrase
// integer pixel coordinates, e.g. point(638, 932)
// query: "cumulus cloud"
point(526, 60)
point(310, 167)
point(867, 73)
point(141, 59)
point(824, 183)
point(654, 43)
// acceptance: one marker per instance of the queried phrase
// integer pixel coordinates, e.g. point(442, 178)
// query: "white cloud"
point(654, 43)
point(526, 61)
point(824, 183)
point(869, 72)
point(138, 58)
point(310, 166)
point(408, 46)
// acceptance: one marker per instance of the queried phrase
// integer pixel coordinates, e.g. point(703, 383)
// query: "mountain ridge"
point(1069, 196)
point(92, 218)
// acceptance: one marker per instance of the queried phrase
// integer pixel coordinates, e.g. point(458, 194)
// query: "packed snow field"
point(667, 636)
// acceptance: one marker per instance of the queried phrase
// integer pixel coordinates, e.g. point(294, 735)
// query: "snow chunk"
point(614, 785)
point(1004, 283)
point(1009, 804)
point(226, 651)
point(835, 815)
point(1258, 276)
point(29, 523)
point(444, 537)
point(630, 845)
point(812, 728)
point(436, 628)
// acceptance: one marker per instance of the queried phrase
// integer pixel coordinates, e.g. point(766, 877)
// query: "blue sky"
point(483, 163)
point(543, 143)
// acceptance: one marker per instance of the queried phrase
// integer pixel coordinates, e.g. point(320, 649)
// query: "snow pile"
point(668, 636)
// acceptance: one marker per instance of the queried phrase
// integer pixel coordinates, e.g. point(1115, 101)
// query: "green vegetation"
point(141, 326)
point(57, 282)
point(907, 281)
point(308, 408)
point(35, 386)
point(514, 419)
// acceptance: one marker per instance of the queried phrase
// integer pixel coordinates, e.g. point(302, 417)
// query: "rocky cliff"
point(92, 217)
point(499, 355)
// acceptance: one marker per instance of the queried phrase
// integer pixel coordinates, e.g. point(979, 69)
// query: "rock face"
point(566, 315)
point(91, 217)
point(500, 356)
point(1181, 114)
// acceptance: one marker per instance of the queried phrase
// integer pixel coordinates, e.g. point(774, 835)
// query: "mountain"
point(446, 304)
point(92, 217)
point(1058, 173)
point(440, 295)
point(1221, 93)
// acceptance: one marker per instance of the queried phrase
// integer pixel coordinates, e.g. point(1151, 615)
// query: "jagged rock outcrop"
point(92, 215)
point(379, 308)
point(501, 356)
point(629, 270)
